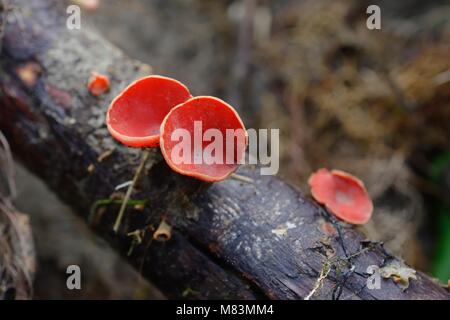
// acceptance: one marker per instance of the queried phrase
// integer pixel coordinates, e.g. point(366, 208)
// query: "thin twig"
point(336, 225)
point(323, 274)
point(337, 291)
point(9, 168)
point(145, 156)
point(241, 178)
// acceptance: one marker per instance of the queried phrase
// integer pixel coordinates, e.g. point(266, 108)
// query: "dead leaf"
point(399, 272)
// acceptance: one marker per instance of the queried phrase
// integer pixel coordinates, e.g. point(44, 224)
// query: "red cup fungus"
point(135, 115)
point(98, 84)
point(343, 194)
point(211, 152)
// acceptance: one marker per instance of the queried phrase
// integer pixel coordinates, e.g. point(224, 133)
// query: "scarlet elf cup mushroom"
point(135, 115)
point(204, 138)
point(343, 194)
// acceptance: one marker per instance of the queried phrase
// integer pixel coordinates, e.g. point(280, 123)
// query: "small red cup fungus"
point(343, 194)
point(98, 84)
point(135, 115)
point(89, 5)
point(216, 136)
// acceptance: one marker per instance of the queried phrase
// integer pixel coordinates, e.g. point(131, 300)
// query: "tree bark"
point(233, 239)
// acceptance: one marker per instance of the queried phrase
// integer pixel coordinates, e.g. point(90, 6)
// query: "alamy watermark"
point(73, 281)
point(214, 146)
point(373, 282)
point(374, 20)
point(73, 21)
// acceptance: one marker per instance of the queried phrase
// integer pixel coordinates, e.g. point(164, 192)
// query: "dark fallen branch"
point(234, 239)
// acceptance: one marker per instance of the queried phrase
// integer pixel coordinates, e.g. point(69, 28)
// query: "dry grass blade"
point(7, 168)
point(17, 258)
point(323, 274)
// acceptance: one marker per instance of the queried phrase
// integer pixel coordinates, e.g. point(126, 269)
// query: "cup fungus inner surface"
point(134, 117)
point(205, 122)
point(343, 194)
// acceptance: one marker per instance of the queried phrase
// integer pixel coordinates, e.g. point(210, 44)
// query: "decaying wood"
point(232, 239)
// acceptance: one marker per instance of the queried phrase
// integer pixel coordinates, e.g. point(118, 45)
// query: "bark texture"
point(234, 239)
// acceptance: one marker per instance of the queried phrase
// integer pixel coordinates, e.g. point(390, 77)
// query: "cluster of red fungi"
point(147, 112)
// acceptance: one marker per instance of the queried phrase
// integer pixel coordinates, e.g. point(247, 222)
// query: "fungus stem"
point(145, 156)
